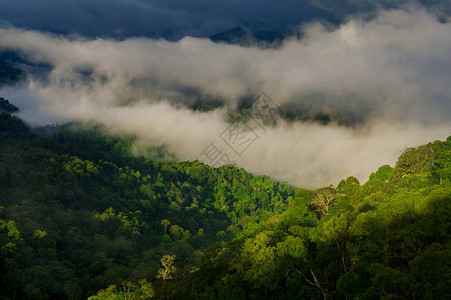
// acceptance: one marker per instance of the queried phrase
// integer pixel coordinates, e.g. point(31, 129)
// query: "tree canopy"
point(81, 217)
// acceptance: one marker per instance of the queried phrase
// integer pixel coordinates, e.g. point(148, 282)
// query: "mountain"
point(7, 107)
point(246, 38)
point(80, 212)
point(9, 74)
point(83, 215)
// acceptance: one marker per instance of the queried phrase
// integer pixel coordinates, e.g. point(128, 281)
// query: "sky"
point(157, 18)
point(173, 19)
point(385, 71)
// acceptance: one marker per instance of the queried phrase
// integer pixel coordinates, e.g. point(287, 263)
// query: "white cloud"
point(395, 70)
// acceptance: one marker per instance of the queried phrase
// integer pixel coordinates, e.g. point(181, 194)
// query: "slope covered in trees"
point(82, 217)
point(385, 239)
point(80, 213)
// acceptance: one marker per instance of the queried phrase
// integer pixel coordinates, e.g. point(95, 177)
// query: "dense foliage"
point(385, 239)
point(82, 216)
point(80, 213)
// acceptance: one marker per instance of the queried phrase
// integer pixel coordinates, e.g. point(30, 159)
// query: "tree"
point(165, 224)
point(258, 260)
point(126, 291)
point(168, 270)
point(323, 198)
point(348, 186)
point(384, 173)
point(414, 161)
point(314, 281)
point(176, 231)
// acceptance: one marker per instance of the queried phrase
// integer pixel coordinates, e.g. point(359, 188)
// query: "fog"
point(390, 75)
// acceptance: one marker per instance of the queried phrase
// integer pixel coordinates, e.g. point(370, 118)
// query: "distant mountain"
point(246, 38)
point(9, 74)
point(7, 107)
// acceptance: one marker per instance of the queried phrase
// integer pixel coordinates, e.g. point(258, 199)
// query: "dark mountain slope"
point(246, 38)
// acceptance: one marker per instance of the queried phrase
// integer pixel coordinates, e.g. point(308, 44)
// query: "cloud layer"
point(391, 74)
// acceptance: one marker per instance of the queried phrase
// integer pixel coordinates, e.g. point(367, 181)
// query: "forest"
point(85, 215)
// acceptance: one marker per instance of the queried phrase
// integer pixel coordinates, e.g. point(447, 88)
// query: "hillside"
point(81, 216)
point(80, 213)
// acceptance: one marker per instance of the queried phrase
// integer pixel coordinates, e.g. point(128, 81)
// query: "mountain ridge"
point(244, 37)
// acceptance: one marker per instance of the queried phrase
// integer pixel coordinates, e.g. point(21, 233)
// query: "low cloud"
point(389, 76)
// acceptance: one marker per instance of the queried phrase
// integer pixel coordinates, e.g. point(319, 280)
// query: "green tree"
point(414, 161)
point(165, 224)
point(323, 198)
point(126, 291)
point(168, 269)
point(176, 231)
